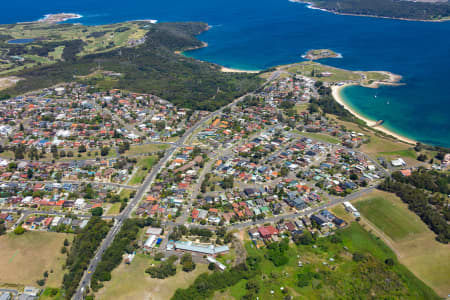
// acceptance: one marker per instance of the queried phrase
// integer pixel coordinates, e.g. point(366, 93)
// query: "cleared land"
point(131, 282)
point(414, 243)
point(24, 258)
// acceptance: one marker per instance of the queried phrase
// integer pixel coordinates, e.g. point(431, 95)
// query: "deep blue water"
point(259, 34)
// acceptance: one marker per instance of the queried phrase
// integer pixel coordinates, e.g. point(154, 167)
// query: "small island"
point(58, 18)
point(316, 54)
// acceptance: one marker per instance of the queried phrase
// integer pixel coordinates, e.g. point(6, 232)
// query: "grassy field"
point(131, 282)
point(143, 167)
point(334, 275)
point(51, 294)
point(403, 153)
point(413, 242)
point(376, 76)
point(321, 137)
point(114, 209)
point(24, 258)
point(306, 69)
point(299, 108)
point(147, 148)
point(387, 213)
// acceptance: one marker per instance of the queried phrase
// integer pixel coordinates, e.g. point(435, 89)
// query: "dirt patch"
point(7, 82)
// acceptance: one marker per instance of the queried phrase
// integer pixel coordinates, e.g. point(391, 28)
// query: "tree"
point(159, 256)
point(422, 157)
point(40, 282)
point(2, 227)
point(104, 151)
point(357, 256)
point(66, 242)
point(30, 173)
point(160, 125)
point(81, 148)
point(97, 212)
point(187, 263)
point(304, 239)
point(389, 261)
point(284, 171)
point(19, 230)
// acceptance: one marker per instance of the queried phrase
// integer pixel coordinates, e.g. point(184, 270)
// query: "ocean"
point(256, 35)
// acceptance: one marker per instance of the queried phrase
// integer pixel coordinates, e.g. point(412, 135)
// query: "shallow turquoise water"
point(259, 34)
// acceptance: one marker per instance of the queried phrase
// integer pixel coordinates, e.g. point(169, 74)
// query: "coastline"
point(311, 6)
point(336, 93)
point(222, 68)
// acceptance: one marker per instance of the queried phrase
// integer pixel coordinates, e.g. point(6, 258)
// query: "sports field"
point(388, 213)
point(412, 241)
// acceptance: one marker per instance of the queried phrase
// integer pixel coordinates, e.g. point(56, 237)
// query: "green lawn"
point(394, 220)
point(321, 137)
point(51, 294)
point(405, 153)
point(306, 69)
point(114, 209)
point(377, 76)
point(143, 167)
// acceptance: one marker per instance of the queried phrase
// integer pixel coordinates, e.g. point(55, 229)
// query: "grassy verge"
point(147, 148)
point(143, 167)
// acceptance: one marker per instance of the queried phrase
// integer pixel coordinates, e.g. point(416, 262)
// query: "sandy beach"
point(229, 70)
point(337, 96)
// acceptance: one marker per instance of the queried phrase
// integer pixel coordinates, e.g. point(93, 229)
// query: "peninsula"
point(404, 10)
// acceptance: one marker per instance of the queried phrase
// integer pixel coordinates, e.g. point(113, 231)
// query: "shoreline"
point(232, 70)
point(336, 93)
point(222, 68)
point(311, 6)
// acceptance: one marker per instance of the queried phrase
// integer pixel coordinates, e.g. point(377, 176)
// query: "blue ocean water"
point(257, 34)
